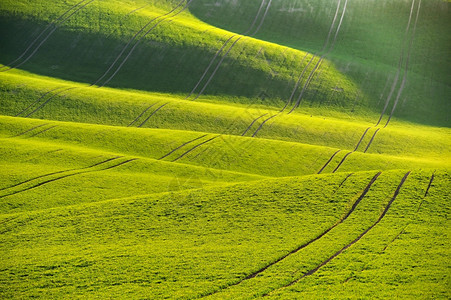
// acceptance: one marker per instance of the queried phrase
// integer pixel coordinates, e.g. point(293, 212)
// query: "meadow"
point(231, 149)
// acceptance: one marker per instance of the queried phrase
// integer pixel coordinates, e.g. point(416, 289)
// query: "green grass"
point(134, 190)
point(211, 237)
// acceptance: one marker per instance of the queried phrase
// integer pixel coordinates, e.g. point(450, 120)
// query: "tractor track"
point(40, 132)
point(55, 25)
point(144, 35)
point(37, 101)
point(59, 172)
point(221, 50)
point(153, 113)
point(382, 215)
point(403, 82)
point(332, 46)
point(252, 123)
point(371, 141)
point(429, 186)
point(67, 175)
point(181, 146)
point(400, 60)
point(342, 161)
point(195, 147)
point(263, 123)
point(47, 101)
point(328, 162)
point(229, 49)
point(141, 114)
point(361, 139)
point(131, 40)
point(254, 274)
point(314, 56)
point(31, 129)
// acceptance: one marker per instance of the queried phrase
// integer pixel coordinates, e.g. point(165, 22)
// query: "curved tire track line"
point(65, 176)
point(315, 68)
point(343, 218)
point(382, 215)
point(342, 161)
point(253, 122)
point(195, 147)
point(141, 114)
point(47, 129)
point(343, 182)
point(39, 36)
point(31, 129)
point(59, 172)
point(131, 40)
point(38, 100)
point(263, 123)
point(401, 88)
point(361, 139)
point(371, 141)
point(221, 50)
point(328, 162)
point(429, 186)
point(150, 116)
point(47, 37)
point(298, 82)
point(48, 100)
point(140, 39)
point(181, 146)
point(209, 66)
point(234, 43)
point(314, 56)
point(396, 79)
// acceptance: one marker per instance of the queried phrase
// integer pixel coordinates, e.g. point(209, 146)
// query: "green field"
point(230, 149)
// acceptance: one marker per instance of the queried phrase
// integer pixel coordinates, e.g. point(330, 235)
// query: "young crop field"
point(227, 149)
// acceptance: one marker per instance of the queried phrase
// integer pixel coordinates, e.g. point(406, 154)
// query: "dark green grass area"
point(215, 237)
point(368, 46)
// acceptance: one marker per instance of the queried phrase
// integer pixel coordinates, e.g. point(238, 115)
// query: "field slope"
point(186, 149)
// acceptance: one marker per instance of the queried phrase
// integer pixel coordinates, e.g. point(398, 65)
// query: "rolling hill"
point(229, 149)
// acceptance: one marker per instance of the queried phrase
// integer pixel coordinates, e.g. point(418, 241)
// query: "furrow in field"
point(342, 219)
point(382, 215)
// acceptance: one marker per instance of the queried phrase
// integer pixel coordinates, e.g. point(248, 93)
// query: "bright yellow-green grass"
point(139, 189)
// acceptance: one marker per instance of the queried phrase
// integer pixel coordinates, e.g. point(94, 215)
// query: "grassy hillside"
point(231, 149)
point(208, 241)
